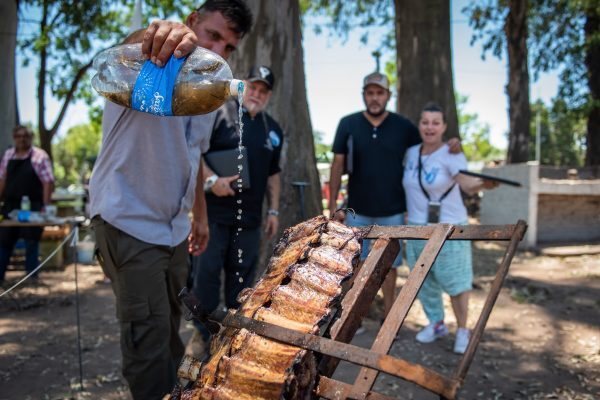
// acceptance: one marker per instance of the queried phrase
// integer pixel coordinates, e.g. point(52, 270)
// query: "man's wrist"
point(273, 212)
point(210, 182)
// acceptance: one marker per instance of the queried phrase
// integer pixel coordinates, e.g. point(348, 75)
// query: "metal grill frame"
point(355, 306)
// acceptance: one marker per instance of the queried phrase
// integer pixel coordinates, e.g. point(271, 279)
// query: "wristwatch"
point(210, 182)
point(272, 212)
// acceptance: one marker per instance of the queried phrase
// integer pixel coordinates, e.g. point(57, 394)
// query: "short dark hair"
point(24, 128)
point(234, 11)
point(434, 107)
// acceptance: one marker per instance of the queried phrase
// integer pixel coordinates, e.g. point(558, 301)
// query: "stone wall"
point(563, 218)
point(556, 210)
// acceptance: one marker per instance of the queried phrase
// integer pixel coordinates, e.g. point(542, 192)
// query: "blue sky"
point(334, 71)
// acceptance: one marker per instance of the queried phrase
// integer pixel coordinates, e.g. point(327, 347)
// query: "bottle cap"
point(235, 87)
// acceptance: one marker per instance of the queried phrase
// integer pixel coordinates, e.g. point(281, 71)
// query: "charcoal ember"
point(299, 289)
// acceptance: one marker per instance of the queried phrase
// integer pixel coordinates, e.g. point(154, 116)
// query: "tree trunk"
point(276, 41)
point(592, 62)
point(424, 59)
point(8, 101)
point(515, 29)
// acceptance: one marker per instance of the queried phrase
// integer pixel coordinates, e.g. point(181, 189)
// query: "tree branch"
point(80, 74)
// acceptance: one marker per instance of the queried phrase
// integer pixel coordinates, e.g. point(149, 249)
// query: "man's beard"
point(376, 114)
point(253, 107)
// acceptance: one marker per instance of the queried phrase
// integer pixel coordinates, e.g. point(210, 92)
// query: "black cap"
point(262, 74)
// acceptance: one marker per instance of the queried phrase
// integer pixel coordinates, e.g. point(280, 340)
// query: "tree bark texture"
point(515, 29)
point(592, 62)
point(424, 59)
point(8, 101)
point(276, 41)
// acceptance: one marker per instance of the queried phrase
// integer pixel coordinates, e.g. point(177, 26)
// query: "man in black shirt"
point(234, 215)
point(370, 146)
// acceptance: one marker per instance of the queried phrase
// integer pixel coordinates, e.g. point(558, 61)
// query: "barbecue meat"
point(302, 283)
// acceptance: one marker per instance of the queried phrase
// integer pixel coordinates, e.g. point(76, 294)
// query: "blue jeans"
point(363, 220)
point(32, 250)
point(223, 255)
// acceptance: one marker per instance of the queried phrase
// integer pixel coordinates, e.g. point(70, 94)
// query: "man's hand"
point(163, 38)
point(222, 186)
point(454, 144)
point(198, 239)
point(339, 216)
point(271, 226)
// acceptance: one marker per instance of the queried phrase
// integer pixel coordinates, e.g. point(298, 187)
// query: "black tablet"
point(225, 163)
point(490, 178)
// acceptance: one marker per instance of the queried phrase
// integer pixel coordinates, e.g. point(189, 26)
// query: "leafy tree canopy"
point(562, 134)
point(75, 153)
point(345, 16)
point(475, 136)
point(556, 39)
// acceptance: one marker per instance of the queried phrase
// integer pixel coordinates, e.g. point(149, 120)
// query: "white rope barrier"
point(71, 236)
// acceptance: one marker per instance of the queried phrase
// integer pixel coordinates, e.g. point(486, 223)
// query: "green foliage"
point(75, 153)
point(392, 72)
point(556, 39)
point(322, 150)
point(562, 134)
point(475, 136)
point(348, 15)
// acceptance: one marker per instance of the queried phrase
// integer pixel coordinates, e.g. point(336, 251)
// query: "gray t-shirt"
point(144, 178)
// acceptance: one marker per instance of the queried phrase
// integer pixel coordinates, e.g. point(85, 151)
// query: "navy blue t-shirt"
point(263, 139)
point(375, 182)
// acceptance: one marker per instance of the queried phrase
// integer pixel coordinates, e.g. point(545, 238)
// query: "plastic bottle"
point(25, 212)
point(201, 85)
point(25, 203)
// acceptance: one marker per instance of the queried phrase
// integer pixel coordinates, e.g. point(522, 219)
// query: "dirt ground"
point(542, 340)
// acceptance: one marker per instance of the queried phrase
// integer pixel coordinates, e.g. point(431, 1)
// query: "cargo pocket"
point(134, 323)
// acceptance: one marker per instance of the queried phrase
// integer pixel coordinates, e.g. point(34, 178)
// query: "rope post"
point(74, 241)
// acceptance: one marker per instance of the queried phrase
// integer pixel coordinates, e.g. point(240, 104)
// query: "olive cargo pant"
point(146, 280)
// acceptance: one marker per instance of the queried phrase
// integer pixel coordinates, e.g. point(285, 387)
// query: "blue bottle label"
point(153, 89)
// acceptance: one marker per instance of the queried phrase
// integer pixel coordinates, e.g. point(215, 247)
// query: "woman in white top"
point(432, 184)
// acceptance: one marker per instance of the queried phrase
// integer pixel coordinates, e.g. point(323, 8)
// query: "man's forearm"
point(335, 181)
point(47, 189)
point(199, 212)
point(273, 191)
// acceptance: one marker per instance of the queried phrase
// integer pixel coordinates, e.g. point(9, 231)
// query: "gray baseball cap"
point(378, 79)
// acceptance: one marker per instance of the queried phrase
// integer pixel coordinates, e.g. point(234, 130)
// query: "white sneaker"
point(432, 332)
point(462, 340)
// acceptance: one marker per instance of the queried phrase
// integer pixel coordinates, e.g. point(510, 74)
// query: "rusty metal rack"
point(334, 344)
point(357, 300)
